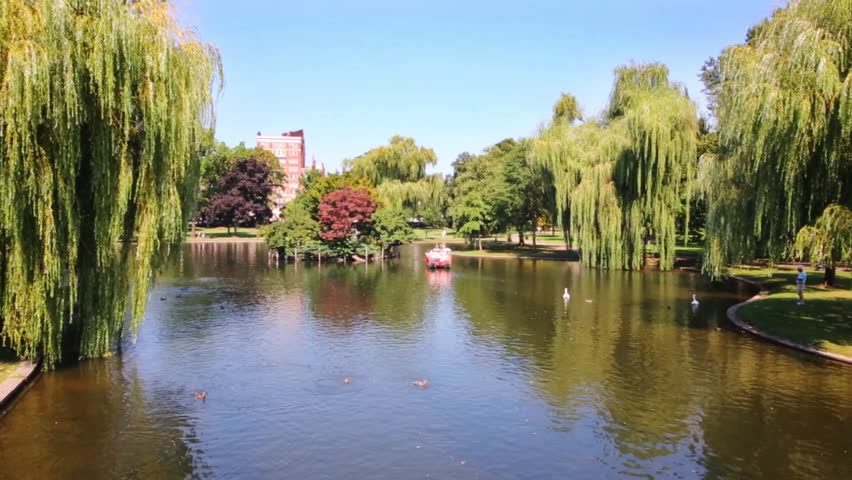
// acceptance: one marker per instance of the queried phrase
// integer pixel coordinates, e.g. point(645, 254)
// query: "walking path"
point(739, 322)
point(22, 374)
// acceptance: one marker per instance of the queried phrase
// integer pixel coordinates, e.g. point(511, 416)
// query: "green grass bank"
point(824, 322)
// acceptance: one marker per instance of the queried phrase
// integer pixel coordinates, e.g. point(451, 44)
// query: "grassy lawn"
point(545, 238)
point(222, 232)
point(824, 322)
point(434, 235)
point(8, 363)
point(501, 249)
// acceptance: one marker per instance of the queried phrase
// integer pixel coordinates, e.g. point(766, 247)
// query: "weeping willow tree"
point(103, 105)
point(426, 192)
point(622, 178)
point(828, 241)
point(567, 108)
point(399, 172)
point(401, 160)
point(785, 124)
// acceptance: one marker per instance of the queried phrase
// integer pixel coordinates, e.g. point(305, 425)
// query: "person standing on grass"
point(800, 285)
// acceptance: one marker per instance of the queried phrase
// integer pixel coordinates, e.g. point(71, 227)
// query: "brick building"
point(289, 147)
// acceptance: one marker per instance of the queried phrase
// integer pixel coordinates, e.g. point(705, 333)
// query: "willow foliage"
point(430, 190)
point(567, 108)
point(622, 179)
point(401, 160)
point(785, 120)
point(399, 172)
point(829, 240)
point(103, 104)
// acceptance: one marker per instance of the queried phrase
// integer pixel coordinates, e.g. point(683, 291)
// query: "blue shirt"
point(800, 280)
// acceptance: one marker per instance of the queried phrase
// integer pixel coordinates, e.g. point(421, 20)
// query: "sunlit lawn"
point(823, 322)
point(434, 235)
point(512, 250)
point(222, 232)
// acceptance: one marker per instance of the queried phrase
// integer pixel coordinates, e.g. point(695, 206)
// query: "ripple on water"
point(520, 384)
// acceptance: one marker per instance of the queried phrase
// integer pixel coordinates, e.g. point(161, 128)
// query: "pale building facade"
point(289, 147)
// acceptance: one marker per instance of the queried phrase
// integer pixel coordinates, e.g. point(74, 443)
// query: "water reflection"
point(99, 420)
point(625, 380)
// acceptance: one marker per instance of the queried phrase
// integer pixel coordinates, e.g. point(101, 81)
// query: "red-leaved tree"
point(344, 212)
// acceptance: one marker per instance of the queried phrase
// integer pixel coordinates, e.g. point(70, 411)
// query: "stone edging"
point(14, 384)
point(736, 320)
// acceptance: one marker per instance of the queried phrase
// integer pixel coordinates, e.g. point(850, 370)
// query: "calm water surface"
point(623, 381)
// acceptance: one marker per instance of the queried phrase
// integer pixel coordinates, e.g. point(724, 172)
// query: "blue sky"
point(455, 75)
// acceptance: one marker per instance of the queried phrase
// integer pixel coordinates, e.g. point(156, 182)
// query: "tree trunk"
point(479, 240)
point(520, 237)
point(509, 237)
point(192, 235)
point(533, 238)
point(830, 276)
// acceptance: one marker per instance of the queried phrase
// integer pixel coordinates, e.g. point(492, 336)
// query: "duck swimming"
point(201, 396)
point(347, 380)
point(420, 383)
point(694, 301)
point(566, 296)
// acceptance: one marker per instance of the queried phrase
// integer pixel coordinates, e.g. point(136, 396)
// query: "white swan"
point(694, 301)
point(566, 296)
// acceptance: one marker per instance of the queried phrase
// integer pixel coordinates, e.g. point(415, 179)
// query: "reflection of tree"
point(511, 306)
point(635, 360)
point(391, 294)
point(212, 280)
point(779, 414)
point(339, 295)
point(204, 261)
point(97, 423)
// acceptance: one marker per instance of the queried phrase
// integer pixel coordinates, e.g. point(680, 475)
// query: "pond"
point(624, 380)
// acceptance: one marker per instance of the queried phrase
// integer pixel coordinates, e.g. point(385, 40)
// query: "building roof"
point(294, 133)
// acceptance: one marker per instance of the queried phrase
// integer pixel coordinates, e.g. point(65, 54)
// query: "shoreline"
point(15, 384)
point(745, 326)
point(546, 254)
point(224, 240)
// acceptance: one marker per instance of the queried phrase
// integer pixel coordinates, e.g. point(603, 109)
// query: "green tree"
point(319, 186)
point(712, 80)
point(391, 229)
point(785, 128)
point(828, 241)
point(402, 160)
point(524, 191)
point(398, 170)
point(244, 196)
point(296, 232)
point(567, 109)
point(477, 191)
point(104, 109)
point(472, 217)
point(220, 159)
point(622, 178)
